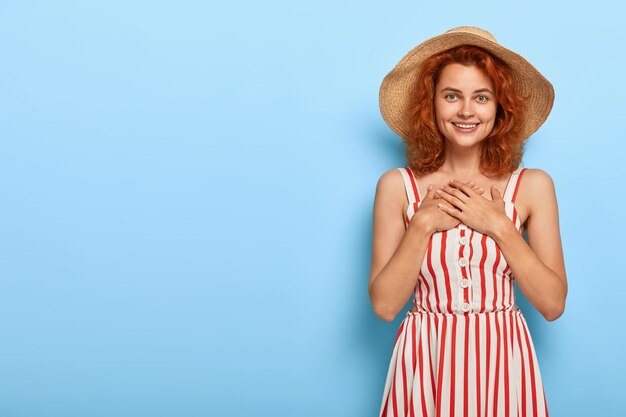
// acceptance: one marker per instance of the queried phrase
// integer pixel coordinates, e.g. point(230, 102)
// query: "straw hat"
point(400, 84)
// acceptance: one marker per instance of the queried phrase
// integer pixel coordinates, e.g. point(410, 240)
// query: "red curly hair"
point(502, 149)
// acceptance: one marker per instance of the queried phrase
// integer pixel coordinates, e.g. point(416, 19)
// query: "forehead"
point(463, 77)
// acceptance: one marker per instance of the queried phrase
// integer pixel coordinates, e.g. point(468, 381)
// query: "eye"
point(482, 99)
point(451, 97)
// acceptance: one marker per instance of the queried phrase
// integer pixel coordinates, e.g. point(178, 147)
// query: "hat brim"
point(399, 85)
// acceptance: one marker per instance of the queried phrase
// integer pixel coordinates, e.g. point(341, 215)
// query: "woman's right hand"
point(431, 218)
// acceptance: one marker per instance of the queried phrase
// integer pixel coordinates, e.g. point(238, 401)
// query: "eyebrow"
point(456, 90)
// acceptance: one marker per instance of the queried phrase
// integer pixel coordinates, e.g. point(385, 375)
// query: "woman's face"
point(465, 105)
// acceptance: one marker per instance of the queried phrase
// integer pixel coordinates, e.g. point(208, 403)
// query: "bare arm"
point(538, 265)
point(398, 253)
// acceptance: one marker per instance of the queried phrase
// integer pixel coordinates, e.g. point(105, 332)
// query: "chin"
point(465, 142)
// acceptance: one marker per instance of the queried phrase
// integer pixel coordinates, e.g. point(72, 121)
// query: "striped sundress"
point(464, 349)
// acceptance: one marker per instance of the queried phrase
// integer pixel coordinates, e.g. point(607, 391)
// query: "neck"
point(462, 162)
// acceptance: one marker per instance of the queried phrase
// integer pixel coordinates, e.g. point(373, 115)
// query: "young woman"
point(448, 229)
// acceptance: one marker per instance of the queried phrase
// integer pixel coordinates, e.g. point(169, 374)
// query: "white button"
point(465, 307)
point(463, 262)
point(463, 240)
point(465, 283)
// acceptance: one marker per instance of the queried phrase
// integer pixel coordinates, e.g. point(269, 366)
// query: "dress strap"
point(510, 192)
point(410, 185)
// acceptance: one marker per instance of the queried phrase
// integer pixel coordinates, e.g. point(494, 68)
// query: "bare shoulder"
point(535, 177)
point(536, 191)
point(390, 183)
point(390, 189)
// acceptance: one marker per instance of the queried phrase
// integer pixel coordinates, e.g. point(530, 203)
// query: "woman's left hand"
point(474, 210)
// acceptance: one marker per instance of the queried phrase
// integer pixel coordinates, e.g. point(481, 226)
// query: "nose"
point(466, 110)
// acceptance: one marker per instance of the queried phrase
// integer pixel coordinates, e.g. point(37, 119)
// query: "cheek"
point(437, 112)
point(492, 110)
point(440, 121)
point(442, 113)
point(488, 114)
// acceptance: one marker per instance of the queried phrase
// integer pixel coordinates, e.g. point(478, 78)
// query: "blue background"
point(186, 196)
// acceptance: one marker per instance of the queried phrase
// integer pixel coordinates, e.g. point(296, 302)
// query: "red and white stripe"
point(466, 349)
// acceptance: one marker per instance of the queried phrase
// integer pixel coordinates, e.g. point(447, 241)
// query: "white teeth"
point(464, 126)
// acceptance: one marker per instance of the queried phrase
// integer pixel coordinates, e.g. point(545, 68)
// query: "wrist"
point(503, 229)
point(420, 226)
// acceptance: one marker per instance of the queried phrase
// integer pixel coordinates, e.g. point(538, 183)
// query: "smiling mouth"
point(467, 126)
